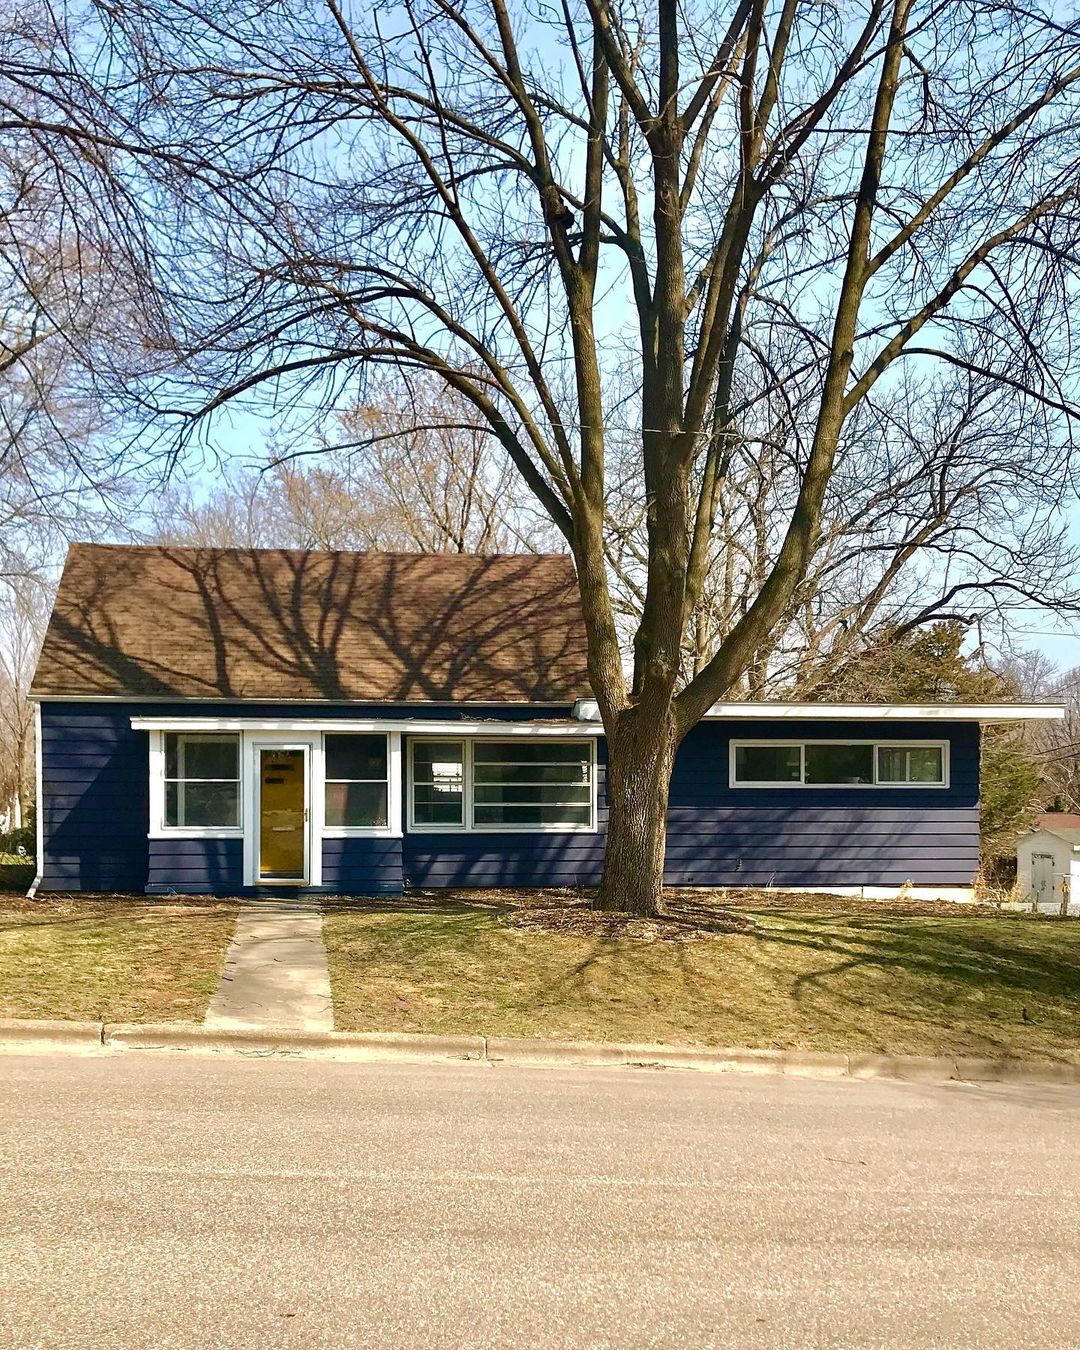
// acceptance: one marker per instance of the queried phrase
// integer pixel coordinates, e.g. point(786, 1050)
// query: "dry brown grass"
point(111, 958)
point(807, 972)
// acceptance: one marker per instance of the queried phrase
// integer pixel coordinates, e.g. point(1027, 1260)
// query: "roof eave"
point(587, 710)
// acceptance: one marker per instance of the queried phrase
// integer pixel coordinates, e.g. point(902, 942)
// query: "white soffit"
point(416, 725)
point(895, 712)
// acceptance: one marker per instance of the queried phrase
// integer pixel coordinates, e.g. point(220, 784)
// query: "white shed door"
point(1042, 875)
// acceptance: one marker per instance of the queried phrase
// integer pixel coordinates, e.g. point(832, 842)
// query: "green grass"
point(117, 958)
point(817, 975)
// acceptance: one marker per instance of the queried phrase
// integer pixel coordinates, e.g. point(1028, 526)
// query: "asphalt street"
point(190, 1201)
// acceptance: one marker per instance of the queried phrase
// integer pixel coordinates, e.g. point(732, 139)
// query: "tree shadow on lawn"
point(937, 949)
point(922, 944)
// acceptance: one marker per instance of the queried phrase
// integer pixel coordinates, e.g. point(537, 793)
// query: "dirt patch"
point(821, 902)
point(576, 919)
point(688, 911)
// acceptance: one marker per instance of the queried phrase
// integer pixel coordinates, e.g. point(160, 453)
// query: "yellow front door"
point(282, 815)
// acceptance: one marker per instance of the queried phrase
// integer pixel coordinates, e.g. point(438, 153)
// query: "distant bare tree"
point(398, 477)
point(1056, 745)
point(942, 506)
point(24, 609)
point(778, 213)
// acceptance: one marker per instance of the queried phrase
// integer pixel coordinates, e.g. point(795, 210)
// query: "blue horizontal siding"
point(210, 866)
point(362, 866)
point(493, 860)
point(719, 835)
point(96, 803)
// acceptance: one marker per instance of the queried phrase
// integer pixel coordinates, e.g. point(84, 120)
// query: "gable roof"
point(279, 624)
point(1061, 823)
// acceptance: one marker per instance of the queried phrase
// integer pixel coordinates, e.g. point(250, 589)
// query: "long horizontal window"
point(357, 791)
point(531, 784)
point(838, 764)
point(202, 780)
point(502, 785)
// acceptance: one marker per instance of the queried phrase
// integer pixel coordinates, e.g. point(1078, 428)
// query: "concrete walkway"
point(275, 972)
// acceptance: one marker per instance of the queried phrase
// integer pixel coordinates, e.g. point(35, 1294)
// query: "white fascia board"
point(586, 710)
point(148, 700)
point(894, 712)
point(415, 725)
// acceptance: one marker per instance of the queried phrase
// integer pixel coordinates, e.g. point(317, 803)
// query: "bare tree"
point(396, 476)
point(74, 280)
point(943, 505)
point(778, 213)
point(24, 609)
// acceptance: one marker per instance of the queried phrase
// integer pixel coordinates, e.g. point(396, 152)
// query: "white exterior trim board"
point(959, 894)
point(897, 712)
point(415, 726)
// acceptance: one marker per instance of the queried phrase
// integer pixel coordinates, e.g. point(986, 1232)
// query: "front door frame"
point(256, 743)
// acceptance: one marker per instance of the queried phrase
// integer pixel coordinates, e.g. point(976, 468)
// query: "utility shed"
point(1048, 862)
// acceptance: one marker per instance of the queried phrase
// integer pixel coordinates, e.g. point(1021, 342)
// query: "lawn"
point(810, 973)
point(118, 959)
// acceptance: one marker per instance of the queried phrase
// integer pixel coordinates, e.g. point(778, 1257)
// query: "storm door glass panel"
point(839, 765)
point(356, 780)
point(768, 764)
point(282, 815)
point(202, 780)
point(438, 783)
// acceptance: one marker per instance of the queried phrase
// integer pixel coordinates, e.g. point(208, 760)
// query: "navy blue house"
point(232, 722)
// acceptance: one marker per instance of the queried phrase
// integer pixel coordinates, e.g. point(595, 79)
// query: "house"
point(233, 721)
point(1048, 861)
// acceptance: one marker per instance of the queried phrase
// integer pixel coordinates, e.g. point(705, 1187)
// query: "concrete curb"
point(21, 1031)
point(372, 1046)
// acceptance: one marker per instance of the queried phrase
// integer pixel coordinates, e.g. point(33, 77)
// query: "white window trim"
point(466, 761)
point(158, 828)
point(392, 828)
point(468, 826)
point(784, 743)
point(251, 738)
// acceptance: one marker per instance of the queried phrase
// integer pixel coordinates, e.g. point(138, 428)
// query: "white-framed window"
point(924, 764)
point(483, 784)
point(437, 784)
point(777, 763)
point(201, 781)
point(356, 780)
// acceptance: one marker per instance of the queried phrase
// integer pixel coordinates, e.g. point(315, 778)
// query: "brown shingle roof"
point(1057, 820)
point(283, 624)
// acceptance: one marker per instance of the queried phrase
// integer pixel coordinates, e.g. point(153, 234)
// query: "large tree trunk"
point(641, 751)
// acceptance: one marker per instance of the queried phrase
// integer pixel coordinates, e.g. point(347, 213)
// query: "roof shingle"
point(280, 624)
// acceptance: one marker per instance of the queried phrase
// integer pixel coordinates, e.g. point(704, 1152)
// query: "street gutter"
point(18, 1035)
